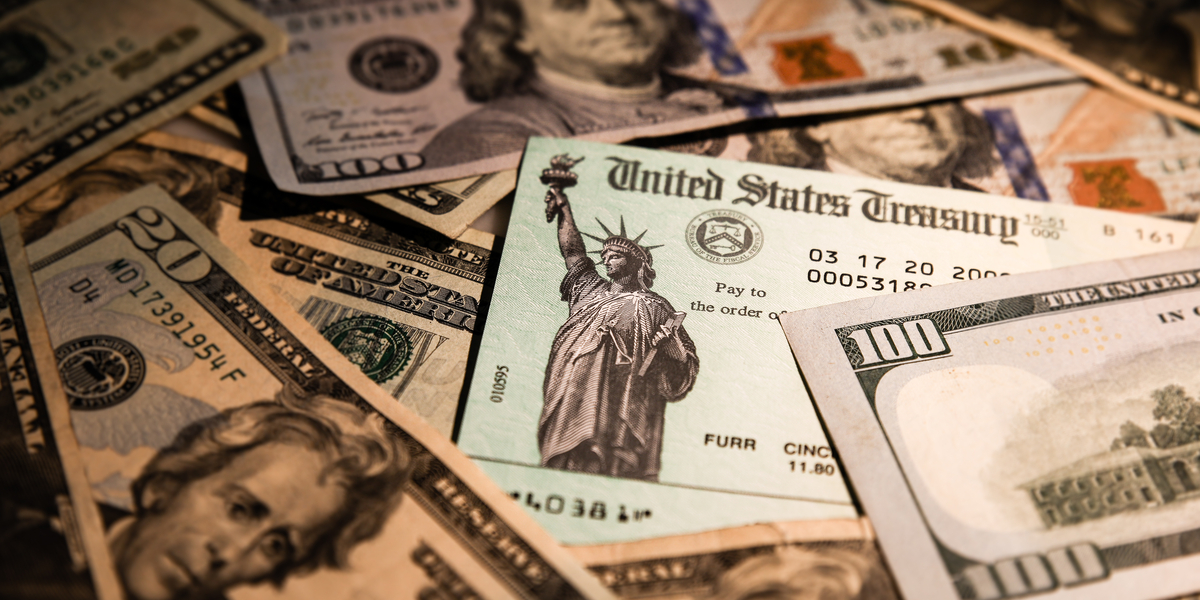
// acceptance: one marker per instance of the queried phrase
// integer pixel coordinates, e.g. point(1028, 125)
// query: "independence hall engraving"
point(1124, 479)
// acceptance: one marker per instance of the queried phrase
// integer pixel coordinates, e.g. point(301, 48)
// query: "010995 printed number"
point(499, 383)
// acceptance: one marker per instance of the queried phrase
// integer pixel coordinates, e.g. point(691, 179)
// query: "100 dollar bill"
point(654, 395)
point(448, 207)
point(1073, 143)
point(84, 77)
point(384, 95)
point(1031, 436)
point(1147, 52)
point(228, 445)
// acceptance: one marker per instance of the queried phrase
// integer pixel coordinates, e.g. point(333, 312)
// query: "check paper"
point(632, 380)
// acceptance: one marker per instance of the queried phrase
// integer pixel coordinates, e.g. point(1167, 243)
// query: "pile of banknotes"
point(541, 299)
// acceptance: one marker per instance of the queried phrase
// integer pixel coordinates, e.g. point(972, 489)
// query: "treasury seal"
point(394, 65)
point(724, 237)
point(99, 371)
point(22, 57)
point(378, 346)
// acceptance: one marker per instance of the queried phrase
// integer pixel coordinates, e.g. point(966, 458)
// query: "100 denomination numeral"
point(1036, 573)
point(894, 342)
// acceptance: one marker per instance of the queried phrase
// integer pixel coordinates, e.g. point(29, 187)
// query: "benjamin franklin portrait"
point(564, 68)
point(940, 144)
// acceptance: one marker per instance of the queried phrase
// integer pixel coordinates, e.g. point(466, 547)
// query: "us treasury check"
point(663, 400)
point(1028, 436)
point(396, 93)
point(226, 443)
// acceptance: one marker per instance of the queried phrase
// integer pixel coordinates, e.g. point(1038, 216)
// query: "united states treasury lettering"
point(628, 175)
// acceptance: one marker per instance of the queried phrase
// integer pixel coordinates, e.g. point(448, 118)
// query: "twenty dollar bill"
point(827, 560)
point(303, 248)
point(228, 446)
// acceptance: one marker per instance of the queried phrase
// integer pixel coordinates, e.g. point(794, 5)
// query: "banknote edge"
point(87, 514)
point(450, 498)
point(267, 41)
point(1026, 39)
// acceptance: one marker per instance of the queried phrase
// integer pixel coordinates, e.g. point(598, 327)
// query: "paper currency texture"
point(830, 560)
point(82, 78)
point(1147, 51)
point(214, 111)
point(228, 445)
point(50, 542)
point(448, 207)
point(318, 256)
point(1072, 143)
point(631, 381)
point(1030, 436)
point(385, 95)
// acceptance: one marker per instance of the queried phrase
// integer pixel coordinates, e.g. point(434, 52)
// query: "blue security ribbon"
point(1018, 160)
point(724, 55)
